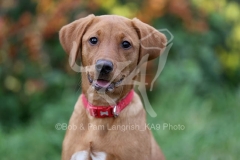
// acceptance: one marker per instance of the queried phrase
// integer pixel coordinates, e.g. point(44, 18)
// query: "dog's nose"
point(104, 66)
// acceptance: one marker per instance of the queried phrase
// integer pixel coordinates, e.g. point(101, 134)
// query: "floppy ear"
point(152, 41)
point(71, 36)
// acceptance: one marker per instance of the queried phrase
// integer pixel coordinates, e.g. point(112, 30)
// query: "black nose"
point(104, 66)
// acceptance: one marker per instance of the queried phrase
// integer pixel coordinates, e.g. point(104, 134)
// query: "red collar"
point(107, 111)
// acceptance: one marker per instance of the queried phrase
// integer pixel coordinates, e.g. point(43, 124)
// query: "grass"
point(211, 124)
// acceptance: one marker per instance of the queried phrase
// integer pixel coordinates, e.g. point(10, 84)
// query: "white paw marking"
point(82, 155)
point(85, 155)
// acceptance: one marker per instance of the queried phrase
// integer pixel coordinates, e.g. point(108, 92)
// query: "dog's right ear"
point(71, 36)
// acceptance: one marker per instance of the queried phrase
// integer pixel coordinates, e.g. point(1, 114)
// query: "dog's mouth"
point(103, 85)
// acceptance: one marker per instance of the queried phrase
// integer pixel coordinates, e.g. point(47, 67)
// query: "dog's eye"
point(126, 44)
point(93, 40)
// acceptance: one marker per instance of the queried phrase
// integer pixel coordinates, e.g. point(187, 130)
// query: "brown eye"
point(126, 44)
point(93, 40)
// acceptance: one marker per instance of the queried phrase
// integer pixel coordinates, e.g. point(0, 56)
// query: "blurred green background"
point(198, 88)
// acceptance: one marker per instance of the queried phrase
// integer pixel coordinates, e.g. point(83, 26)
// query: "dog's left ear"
point(152, 41)
point(71, 36)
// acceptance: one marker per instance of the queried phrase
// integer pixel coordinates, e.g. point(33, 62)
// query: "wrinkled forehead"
point(112, 25)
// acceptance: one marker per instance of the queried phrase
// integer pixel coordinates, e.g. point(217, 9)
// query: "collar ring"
point(115, 114)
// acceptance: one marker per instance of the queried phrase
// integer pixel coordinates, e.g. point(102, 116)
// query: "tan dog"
point(109, 121)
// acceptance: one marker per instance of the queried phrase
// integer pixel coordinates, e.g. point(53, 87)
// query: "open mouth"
point(103, 85)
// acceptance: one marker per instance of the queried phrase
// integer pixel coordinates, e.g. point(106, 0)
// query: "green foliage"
point(210, 118)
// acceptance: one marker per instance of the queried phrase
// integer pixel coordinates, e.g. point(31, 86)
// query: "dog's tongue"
point(103, 83)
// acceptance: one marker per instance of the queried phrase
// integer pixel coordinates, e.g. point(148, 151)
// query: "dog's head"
point(110, 48)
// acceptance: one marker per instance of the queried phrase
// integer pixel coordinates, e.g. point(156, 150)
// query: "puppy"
point(109, 118)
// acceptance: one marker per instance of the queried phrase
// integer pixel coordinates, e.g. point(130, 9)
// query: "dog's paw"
point(85, 155)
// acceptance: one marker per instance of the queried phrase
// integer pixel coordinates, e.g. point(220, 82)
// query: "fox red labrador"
point(109, 118)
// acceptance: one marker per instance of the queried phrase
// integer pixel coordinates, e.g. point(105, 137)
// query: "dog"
point(112, 49)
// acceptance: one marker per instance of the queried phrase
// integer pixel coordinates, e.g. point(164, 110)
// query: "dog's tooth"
point(117, 84)
point(110, 89)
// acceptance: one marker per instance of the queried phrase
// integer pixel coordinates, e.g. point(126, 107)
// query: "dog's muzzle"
point(102, 85)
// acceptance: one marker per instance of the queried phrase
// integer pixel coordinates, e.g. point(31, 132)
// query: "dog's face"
point(110, 48)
